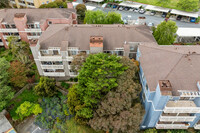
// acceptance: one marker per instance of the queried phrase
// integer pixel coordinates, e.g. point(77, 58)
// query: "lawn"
point(172, 4)
point(26, 95)
point(76, 128)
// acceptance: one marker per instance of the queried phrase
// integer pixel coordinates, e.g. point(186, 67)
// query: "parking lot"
point(156, 19)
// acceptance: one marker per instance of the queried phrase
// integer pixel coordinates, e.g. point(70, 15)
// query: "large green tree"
point(120, 110)
point(4, 3)
point(78, 61)
point(46, 87)
point(80, 10)
point(163, 2)
point(55, 4)
point(100, 17)
point(97, 77)
point(165, 33)
point(188, 5)
point(6, 93)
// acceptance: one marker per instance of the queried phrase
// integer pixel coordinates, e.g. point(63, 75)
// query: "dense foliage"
point(100, 17)
point(78, 61)
point(17, 74)
point(4, 3)
point(55, 4)
point(55, 112)
point(80, 10)
point(27, 109)
point(188, 5)
point(46, 87)
point(163, 2)
point(65, 85)
point(165, 33)
point(120, 110)
point(6, 93)
point(97, 77)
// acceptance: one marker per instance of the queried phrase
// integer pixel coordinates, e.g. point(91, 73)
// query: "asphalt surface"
point(134, 16)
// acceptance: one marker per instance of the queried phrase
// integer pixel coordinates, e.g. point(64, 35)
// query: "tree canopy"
point(163, 2)
point(97, 77)
point(78, 61)
point(4, 3)
point(120, 110)
point(55, 4)
point(188, 5)
point(100, 17)
point(80, 10)
point(46, 87)
point(6, 93)
point(165, 33)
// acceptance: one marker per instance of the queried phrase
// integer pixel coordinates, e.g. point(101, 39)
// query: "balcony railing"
point(172, 126)
point(69, 66)
point(22, 4)
point(9, 30)
point(52, 66)
point(33, 30)
point(33, 37)
point(54, 74)
point(50, 58)
point(182, 110)
point(69, 58)
point(31, 1)
point(30, 6)
point(6, 37)
point(1, 43)
point(73, 74)
point(177, 118)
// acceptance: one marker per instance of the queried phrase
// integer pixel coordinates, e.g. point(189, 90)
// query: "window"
point(55, 52)
point(146, 87)
point(44, 51)
point(143, 96)
point(131, 49)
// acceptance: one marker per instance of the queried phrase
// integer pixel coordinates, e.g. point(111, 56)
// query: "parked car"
point(104, 5)
point(131, 9)
point(126, 8)
point(136, 10)
point(150, 24)
point(142, 11)
point(193, 20)
point(120, 8)
point(164, 14)
point(179, 17)
point(152, 13)
point(114, 6)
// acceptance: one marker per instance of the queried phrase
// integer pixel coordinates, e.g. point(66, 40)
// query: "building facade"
point(28, 24)
point(29, 3)
point(170, 86)
point(54, 51)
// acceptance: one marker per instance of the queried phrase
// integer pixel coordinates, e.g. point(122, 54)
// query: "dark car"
point(114, 6)
point(164, 14)
point(126, 8)
point(152, 13)
point(179, 17)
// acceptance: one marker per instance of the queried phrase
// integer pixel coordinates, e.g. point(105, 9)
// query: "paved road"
point(154, 19)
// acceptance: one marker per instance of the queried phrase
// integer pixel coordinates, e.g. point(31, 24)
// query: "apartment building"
point(170, 86)
point(29, 3)
point(28, 24)
point(54, 51)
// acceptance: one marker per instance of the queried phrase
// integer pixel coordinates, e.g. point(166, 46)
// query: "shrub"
point(65, 85)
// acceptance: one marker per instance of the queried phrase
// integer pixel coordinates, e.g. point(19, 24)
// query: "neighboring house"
point(56, 47)
point(170, 78)
point(5, 126)
point(29, 24)
point(29, 3)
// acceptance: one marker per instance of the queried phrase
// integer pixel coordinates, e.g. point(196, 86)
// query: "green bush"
point(65, 85)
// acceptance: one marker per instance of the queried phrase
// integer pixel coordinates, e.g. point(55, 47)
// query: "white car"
point(131, 9)
point(136, 10)
point(120, 8)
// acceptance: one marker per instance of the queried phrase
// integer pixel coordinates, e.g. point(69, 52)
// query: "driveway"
point(28, 126)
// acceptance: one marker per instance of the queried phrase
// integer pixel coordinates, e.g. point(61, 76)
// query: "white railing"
point(1, 43)
point(8, 30)
point(33, 37)
point(181, 110)
point(69, 58)
point(177, 118)
point(54, 74)
point(50, 58)
point(13, 2)
point(33, 30)
point(22, 4)
point(31, 1)
point(6, 37)
point(172, 126)
point(197, 126)
point(69, 66)
point(30, 6)
point(73, 74)
point(52, 66)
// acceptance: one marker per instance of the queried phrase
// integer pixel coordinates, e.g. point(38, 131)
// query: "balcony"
point(197, 126)
point(9, 30)
point(52, 66)
point(54, 74)
point(22, 4)
point(6, 37)
point(33, 30)
point(50, 58)
point(181, 107)
point(69, 66)
point(30, 6)
point(33, 37)
point(1, 44)
point(177, 118)
point(172, 126)
point(69, 58)
point(30, 1)
point(73, 74)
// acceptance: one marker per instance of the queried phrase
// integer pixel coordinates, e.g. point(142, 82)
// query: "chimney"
point(165, 87)
point(96, 44)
